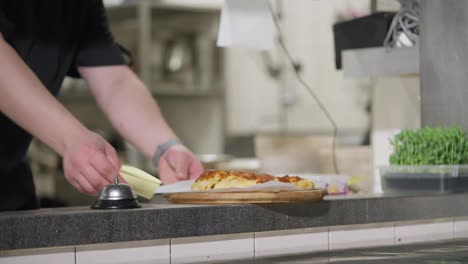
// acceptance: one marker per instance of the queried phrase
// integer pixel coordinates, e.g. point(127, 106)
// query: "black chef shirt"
point(52, 37)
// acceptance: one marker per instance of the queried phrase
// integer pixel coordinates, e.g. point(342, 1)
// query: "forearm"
point(133, 111)
point(25, 100)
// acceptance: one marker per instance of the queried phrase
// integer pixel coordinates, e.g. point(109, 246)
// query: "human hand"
point(177, 164)
point(90, 163)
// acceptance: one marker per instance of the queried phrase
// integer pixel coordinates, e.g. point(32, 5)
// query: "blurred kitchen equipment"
point(212, 161)
point(355, 161)
point(240, 164)
point(228, 162)
point(44, 164)
point(117, 196)
point(404, 30)
point(246, 24)
point(176, 49)
point(283, 154)
point(134, 156)
point(179, 60)
point(363, 32)
point(182, 56)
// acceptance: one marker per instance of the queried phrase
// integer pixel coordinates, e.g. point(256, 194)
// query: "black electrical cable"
point(296, 69)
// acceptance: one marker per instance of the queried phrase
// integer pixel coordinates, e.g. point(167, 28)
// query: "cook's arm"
point(25, 100)
point(129, 105)
point(135, 114)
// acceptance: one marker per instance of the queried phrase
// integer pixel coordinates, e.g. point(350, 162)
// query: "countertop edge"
point(83, 226)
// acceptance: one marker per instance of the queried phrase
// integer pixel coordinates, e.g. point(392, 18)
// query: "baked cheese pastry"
point(216, 179)
point(298, 181)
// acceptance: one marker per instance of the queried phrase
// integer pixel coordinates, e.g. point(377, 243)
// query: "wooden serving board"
point(254, 197)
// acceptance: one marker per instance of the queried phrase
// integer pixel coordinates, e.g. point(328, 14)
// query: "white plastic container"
point(334, 184)
point(424, 179)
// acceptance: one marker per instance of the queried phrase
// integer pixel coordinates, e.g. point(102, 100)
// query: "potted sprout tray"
point(411, 179)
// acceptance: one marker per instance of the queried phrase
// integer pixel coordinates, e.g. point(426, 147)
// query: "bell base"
point(116, 204)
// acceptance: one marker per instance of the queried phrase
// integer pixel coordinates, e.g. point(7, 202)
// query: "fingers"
point(93, 178)
point(81, 183)
point(90, 163)
point(196, 169)
point(113, 158)
point(86, 186)
point(77, 185)
point(180, 163)
point(90, 181)
point(89, 175)
point(104, 167)
point(166, 172)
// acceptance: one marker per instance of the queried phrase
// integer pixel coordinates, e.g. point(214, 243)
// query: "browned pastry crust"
point(259, 178)
point(289, 179)
point(217, 179)
point(298, 181)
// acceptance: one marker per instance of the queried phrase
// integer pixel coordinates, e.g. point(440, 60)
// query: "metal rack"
point(205, 19)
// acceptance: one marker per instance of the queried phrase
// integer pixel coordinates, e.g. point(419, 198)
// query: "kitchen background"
point(244, 109)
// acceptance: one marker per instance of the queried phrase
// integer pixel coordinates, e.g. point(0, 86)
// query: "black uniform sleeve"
point(6, 27)
point(97, 47)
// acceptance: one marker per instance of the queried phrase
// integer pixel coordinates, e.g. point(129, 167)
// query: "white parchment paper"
point(185, 186)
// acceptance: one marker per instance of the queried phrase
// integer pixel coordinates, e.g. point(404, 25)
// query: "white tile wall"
point(361, 236)
point(144, 252)
point(291, 242)
point(252, 97)
point(461, 228)
point(38, 256)
point(416, 232)
point(211, 248)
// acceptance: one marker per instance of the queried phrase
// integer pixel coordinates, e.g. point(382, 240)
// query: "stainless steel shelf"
point(379, 62)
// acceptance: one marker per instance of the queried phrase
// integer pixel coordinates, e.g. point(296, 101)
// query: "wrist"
point(70, 137)
point(162, 148)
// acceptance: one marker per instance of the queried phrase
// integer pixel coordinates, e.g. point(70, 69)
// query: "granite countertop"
point(156, 220)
